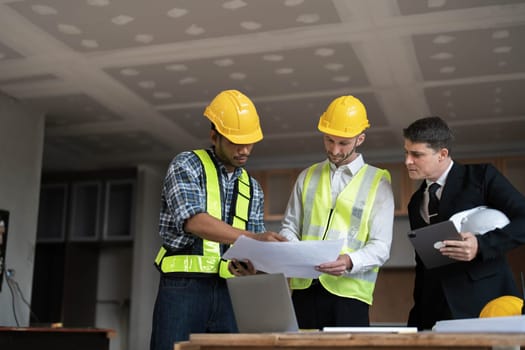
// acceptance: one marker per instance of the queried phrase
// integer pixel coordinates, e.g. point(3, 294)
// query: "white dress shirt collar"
point(353, 167)
point(443, 178)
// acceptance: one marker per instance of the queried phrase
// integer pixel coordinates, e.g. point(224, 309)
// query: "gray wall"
point(127, 279)
point(145, 278)
point(21, 147)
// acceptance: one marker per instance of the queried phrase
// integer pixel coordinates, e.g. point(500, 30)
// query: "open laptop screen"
point(262, 303)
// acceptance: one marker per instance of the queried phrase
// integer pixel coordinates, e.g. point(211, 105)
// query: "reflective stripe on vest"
point(241, 214)
point(210, 261)
point(349, 220)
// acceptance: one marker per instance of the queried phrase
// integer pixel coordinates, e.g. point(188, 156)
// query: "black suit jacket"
point(468, 286)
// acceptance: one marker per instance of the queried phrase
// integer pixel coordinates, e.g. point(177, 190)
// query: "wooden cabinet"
point(118, 209)
point(514, 169)
point(79, 214)
point(52, 212)
point(402, 185)
point(277, 185)
point(86, 210)
point(32, 338)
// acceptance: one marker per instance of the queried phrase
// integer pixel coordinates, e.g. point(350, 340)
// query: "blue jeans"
point(187, 305)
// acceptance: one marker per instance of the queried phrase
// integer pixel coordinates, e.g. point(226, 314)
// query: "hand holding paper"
point(293, 259)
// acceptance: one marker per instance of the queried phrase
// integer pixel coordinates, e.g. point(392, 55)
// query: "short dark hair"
point(433, 131)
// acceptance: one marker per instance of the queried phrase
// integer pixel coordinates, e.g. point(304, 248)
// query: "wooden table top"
point(363, 340)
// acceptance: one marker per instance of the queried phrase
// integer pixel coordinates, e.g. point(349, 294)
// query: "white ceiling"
point(125, 82)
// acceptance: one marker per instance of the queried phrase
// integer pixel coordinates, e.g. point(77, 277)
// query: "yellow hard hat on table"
point(507, 305)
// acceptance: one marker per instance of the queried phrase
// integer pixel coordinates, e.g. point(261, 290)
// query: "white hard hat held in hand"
point(479, 220)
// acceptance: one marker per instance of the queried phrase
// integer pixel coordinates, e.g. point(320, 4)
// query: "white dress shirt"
point(376, 251)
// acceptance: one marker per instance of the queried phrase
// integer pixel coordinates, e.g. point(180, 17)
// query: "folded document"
point(371, 329)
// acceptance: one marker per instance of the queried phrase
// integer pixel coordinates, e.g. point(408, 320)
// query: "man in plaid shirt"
point(208, 201)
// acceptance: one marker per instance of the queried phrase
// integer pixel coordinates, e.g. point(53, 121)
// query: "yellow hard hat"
point(344, 117)
point(235, 117)
point(507, 305)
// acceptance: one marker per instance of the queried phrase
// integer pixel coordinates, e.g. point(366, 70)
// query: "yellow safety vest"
point(349, 220)
point(210, 261)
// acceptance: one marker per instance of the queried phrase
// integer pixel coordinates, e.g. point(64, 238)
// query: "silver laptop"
point(262, 303)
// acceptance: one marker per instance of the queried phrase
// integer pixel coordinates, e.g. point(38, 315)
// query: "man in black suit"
point(481, 273)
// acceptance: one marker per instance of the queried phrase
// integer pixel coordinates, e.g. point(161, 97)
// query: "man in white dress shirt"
point(341, 197)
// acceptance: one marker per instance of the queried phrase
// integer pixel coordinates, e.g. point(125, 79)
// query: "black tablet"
point(427, 241)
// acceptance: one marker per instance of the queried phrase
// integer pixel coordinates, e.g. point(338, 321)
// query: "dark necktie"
point(433, 203)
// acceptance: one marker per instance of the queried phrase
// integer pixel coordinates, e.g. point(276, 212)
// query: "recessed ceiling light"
point(144, 38)
point(436, 3)
point(447, 69)
point(224, 62)
point(250, 25)
point(500, 34)
point(90, 44)
point(187, 80)
point(442, 56)
point(162, 95)
point(291, 3)
point(238, 76)
point(325, 52)
point(273, 58)
point(98, 2)
point(177, 13)
point(233, 4)
point(194, 30)
point(122, 20)
point(69, 29)
point(43, 10)
point(502, 49)
point(308, 18)
point(334, 66)
point(443, 39)
point(285, 70)
point(129, 71)
point(147, 84)
point(341, 78)
point(177, 67)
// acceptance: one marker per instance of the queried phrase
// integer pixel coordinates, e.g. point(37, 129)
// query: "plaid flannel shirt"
point(184, 195)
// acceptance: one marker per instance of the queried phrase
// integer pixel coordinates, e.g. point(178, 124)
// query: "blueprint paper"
point(293, 259)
